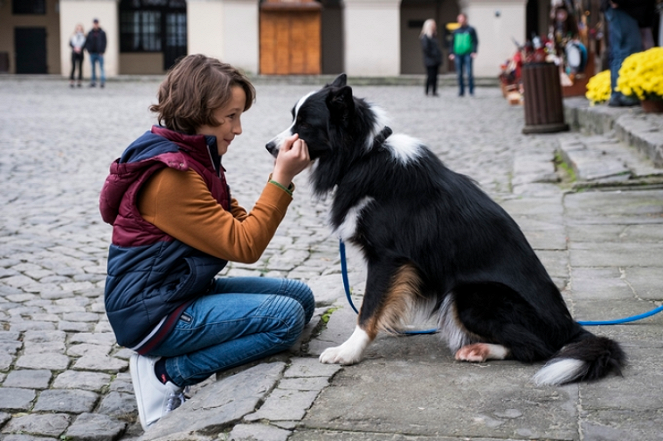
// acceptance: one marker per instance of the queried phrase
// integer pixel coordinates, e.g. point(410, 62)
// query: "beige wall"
point(9, 22)
point(496, 23)
point(225, 29)
point(73, 12)
point(372, 37)
point(143, 63)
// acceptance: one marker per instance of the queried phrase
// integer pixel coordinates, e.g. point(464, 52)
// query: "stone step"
point(631, 125)
point(604, 159)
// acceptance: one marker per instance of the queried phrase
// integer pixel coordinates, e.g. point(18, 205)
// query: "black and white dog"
point(435, 243)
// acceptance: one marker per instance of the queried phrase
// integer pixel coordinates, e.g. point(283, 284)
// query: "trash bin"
point(544, 112)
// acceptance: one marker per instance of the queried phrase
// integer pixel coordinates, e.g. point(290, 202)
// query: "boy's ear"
point(340, 103)
point(340, 81)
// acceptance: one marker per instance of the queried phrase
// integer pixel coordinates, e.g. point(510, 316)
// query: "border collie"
point(435, 243)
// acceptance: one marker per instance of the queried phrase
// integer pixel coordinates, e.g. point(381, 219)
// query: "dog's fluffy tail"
point(588, 358)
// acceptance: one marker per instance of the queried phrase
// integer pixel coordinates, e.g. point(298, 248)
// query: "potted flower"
point(641, 77)
point(598, 88)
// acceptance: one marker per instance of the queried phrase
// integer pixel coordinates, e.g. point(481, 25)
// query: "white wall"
point(73, 12)
point(496, 23)
point(372, 37)
point(224, 29)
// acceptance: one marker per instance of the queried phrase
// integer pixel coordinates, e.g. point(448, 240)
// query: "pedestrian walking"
point(463, 51)
point(77, 44)
point(96, 47)
point(623, 18)
point(432, 54)
point(176, 225)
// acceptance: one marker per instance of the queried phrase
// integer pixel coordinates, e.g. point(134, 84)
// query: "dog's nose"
point(271, 148)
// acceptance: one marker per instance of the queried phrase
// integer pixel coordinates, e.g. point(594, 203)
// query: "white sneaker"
point(154, 398)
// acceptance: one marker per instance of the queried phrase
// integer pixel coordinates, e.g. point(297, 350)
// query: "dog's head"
point(315, 115)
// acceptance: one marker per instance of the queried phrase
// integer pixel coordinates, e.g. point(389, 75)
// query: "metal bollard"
point(544, 112)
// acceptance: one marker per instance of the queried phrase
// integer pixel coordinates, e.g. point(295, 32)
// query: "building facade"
point(359, 37)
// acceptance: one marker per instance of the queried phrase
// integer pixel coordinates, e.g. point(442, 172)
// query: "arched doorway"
point(152, 34)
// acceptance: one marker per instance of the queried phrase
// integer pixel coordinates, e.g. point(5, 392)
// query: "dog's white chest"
point(348, 228)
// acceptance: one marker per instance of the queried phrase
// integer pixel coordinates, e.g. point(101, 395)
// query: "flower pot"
point(652, 106)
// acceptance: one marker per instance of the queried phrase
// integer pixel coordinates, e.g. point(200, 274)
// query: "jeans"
point(94, 58)
point(242, 320)
point(624, 40)
point(464, 64)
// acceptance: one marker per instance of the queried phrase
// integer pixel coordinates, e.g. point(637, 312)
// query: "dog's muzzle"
point(272, 148)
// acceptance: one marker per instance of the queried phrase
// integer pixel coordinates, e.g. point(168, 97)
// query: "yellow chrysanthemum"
point(598, 87)
point(641, 75)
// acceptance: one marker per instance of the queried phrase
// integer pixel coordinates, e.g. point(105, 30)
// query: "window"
point(152, 25)
point(33, 7)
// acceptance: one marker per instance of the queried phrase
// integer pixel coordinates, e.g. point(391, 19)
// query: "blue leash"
point(346, 285)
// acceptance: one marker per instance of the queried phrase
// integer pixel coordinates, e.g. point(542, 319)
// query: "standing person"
point(77, 44)
point(625, 39)
point(463, 51)
point(176, 225)
point(96, 46)
point(432, 54)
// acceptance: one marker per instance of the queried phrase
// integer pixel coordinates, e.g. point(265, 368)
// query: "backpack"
point(462, 43)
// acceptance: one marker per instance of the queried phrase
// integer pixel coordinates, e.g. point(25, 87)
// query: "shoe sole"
point(133, 368)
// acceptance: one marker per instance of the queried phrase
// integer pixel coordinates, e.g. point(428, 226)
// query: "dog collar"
point(381, 137)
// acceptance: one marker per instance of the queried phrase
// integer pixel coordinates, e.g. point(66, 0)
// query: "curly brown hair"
point(194, 88)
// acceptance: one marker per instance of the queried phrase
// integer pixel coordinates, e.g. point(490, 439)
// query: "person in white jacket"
point(77, 43)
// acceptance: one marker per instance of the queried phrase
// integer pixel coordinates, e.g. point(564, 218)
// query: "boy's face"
point(229, 117)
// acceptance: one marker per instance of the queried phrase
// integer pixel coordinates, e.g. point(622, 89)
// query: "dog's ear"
point(340, 103)
point(340, 81)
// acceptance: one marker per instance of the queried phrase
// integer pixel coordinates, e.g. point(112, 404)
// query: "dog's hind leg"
point(391, 293)
point(504, 324)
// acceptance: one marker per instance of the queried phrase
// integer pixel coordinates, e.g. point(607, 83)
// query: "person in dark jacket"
point(176, 226)
point(624, 18)
point(463, 52)
point(432, 54)
point(95, 44)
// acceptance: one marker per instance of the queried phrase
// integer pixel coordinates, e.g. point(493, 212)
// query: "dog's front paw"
point(338, 355)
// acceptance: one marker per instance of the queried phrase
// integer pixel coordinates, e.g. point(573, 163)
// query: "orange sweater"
point(179, 204)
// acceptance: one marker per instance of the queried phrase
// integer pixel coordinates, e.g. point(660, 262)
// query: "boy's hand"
point(293, 158)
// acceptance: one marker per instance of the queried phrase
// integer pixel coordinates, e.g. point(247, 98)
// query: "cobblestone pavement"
point(61, 373)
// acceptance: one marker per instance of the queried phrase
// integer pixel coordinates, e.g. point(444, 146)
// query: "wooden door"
point(290, 38)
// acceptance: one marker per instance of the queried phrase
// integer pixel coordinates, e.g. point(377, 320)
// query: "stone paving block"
point(37, 336)
point(306, 383)
point(310, 367)
point(220, 404)
point(92, 381)
point(49, 347)
point(122, 383)
point(326, 289)
point(70, 401)
point(611, 254)
point(46, 360)
point(95, 427)
point(16, 399)
point(5, 361)
point(621, 425)
point(104, 363)
point(75, 326)
point(119, 405)
point(88, 349)
point(284, 405)
point(38, 424)
point(105, 338)
point(28, 378)
point(30, 325)
point(254, 432)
